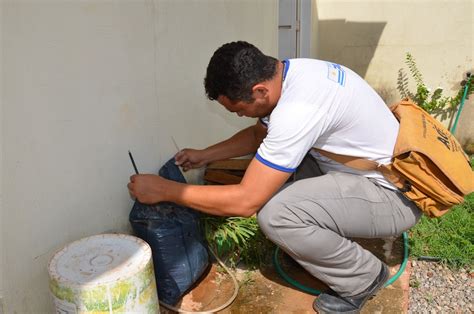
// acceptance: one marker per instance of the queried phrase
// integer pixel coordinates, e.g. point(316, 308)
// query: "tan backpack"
point(428, 164)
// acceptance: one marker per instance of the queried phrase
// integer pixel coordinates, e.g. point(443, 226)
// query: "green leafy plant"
point(237, 239)
point(432, 102)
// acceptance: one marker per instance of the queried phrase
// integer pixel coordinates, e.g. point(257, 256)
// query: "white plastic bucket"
point(107, 273)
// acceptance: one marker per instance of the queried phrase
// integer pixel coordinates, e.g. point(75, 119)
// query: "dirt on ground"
point(264, 290)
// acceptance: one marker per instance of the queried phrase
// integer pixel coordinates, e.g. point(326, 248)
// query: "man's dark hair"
point(235, 68)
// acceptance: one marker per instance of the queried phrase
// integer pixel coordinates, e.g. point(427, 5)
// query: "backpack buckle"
point(406, 187)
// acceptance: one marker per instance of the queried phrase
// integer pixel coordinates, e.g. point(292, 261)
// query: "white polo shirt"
point(327, 106)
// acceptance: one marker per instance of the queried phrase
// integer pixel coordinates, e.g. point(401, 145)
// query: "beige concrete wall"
point(465, 128)
point(83, 82)
point(372, 37)
point(2, 254)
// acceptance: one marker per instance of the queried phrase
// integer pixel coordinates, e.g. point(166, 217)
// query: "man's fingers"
point(130, 191)
point(179, 157)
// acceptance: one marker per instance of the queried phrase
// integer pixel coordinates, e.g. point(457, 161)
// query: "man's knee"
point(269, 216)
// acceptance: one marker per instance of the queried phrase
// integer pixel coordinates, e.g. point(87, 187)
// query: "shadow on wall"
point(351, 44)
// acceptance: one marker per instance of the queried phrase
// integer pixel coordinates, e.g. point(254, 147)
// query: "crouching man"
point(304, 106)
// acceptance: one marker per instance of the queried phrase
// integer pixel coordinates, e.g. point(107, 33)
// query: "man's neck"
point(278, 84)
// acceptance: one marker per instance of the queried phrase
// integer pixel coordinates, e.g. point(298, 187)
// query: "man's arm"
point(242, 143)
point(258, 185)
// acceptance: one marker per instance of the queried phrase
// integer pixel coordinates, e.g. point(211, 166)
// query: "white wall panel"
point(83, 82)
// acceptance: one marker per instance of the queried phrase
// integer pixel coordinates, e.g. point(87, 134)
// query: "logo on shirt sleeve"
point(336, 73)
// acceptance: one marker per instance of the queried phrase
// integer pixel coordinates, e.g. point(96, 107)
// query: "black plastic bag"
point(174, 233)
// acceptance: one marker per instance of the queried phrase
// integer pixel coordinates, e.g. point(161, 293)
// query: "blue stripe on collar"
point(286, 66)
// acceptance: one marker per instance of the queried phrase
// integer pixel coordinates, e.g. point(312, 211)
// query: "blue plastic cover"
point(174, 233)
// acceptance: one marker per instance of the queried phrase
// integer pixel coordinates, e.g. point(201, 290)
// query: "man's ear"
point(259, 91)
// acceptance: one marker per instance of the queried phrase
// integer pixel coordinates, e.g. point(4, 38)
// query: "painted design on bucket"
point(118, 289)
point(136, 294)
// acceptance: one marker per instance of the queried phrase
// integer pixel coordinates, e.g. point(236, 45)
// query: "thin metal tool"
point(175, 145)
point(133, 162)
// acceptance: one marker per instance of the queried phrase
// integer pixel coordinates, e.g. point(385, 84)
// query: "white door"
point(287, 29)
point(294, 29)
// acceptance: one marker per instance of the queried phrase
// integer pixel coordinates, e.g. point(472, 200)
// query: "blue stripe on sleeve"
point(272, 165)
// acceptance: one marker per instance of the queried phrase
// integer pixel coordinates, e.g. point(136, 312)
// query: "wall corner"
point(2, 247)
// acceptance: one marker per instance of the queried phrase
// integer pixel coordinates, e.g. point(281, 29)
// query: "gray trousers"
point(311, 218)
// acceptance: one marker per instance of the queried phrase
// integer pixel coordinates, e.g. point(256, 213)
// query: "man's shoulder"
point(309, 73)
point(304, 63)
point(292, 113)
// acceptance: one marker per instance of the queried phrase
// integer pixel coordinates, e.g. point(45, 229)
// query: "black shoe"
point(333, 303)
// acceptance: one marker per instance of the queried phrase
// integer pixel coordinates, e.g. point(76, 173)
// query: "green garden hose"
point(461, 105)
point(312, 291)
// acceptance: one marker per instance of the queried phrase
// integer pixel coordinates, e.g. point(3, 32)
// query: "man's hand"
point(190, 159)
point(147, 188)
point(258, 185)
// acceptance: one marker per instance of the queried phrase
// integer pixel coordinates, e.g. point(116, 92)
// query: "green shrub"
point(432, 102)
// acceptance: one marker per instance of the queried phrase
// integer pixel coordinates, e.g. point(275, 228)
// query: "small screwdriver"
point(133, 162)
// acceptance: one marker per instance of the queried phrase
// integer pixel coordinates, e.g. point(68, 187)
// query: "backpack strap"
point(369, 165)
point(350, 161)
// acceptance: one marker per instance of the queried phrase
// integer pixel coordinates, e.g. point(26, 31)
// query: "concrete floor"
point(263, 291)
